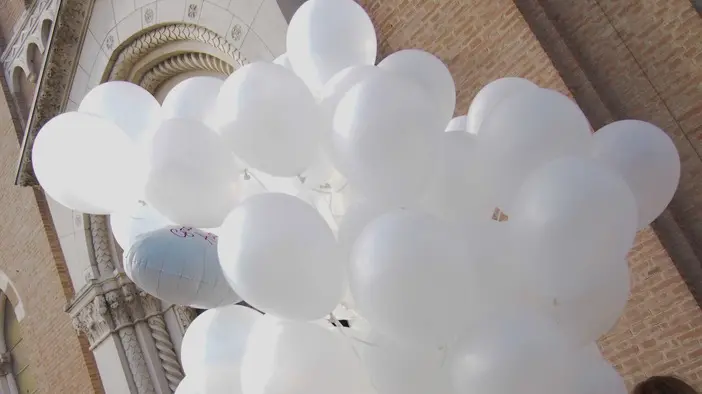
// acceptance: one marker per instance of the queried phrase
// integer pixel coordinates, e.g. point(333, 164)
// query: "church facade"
point(72, 322)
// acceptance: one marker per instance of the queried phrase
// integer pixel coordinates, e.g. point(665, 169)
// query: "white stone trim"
point(5, 284)
point(27, 31)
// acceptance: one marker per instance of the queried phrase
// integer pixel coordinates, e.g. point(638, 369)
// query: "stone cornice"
point(28, 31)
point(55, 78)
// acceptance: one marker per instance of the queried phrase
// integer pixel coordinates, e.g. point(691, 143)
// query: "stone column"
point(125, 326)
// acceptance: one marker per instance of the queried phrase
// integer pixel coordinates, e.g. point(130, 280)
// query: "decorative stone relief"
point(151, 304)
point(114, 306)
point(92, 320)
point(119, 309)
point(56, 77)
point(160, 36)
point(166, 352)
point(192, 11)
point(185, 315)
point(101, 246)
point(29, 31)
point(236, 32)
point(183, 63)
point(149, 16)
point(110, 42)
point(136, 361)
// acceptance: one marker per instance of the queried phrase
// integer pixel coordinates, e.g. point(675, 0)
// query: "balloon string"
point(252, 175)
point(331, 210)
point(337, 324)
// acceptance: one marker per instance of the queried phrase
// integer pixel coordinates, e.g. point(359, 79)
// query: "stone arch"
point(9, 291)
point(22, 90)
point(34, 59)
point(46, 26)
point(154, 55)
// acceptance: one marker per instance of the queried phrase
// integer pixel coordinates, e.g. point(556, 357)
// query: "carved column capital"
point(121, 308)
point(150, 304)
point(185, 315)
point(93, 320)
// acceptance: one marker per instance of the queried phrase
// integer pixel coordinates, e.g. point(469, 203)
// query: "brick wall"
point(479, 40)
point(59, 359)
point(661, 329)
point(581, 48)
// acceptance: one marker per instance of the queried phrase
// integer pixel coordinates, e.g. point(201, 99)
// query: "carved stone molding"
point(93, 320)
point(102, 245)
point(136, 361)
point(115, 306)
point(180, 64)
point(166, 353)
point(130, 52)
point(29, 31)
point(55, 77)
point(185, 316)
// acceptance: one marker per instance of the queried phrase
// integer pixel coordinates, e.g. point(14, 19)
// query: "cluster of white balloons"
point(234, 188)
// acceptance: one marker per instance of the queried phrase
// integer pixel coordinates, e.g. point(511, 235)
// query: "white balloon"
point(187, 386)
point(594, 375)
point(129, 225)
point(193, 179)
point(129, 106)
point(83, 162)
point(210, 382)
point(283, 60)
point(193, 98)
point(180, 265)
point(490, 96)
point(291, 357)
point(340, 84)
point(573, 224)
point(430, 73)
point(401, 369)
point(519, 353)
point(586, 304)
point(326, 36)
point(459, 123)
point(356, 219)
point(454, 194)
point(646, 158)
point(386, 138)
point(216, 340)
point(281, 256)
point(269, 118)
point(334, 90)
point(257, 182)
point(522, 133)
point(319, 173)
point(409, 275)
